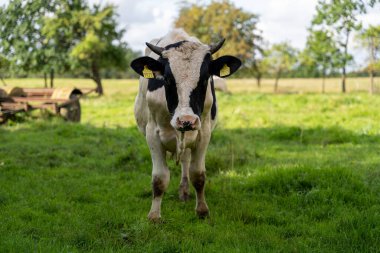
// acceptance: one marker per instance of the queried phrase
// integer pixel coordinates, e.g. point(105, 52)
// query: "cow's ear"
point(225, 66)
point(148, 67)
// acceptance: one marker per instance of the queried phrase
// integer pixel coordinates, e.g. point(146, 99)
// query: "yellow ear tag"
point(147, 73)
point(225, 71)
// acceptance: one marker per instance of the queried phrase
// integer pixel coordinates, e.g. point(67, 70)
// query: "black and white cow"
point(176, 110)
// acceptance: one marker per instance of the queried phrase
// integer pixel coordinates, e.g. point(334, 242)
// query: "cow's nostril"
point(186, 123)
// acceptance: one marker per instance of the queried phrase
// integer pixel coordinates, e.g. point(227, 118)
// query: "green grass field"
point(286, 173)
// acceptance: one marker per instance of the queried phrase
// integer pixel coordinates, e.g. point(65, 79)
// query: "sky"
point(280, 20)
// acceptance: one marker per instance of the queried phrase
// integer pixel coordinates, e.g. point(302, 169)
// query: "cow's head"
point(184, 69)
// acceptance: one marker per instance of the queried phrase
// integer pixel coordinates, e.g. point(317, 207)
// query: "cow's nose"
point(186, 122)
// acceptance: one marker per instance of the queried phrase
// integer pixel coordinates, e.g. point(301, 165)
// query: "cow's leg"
point(160, 173)
point(184, 192)
point(198, 175)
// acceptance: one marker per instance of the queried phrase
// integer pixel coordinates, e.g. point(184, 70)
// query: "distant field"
point(293, 172)
point(296, 85)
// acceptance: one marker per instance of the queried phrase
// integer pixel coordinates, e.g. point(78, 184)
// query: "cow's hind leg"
point(184, 192)
point(160, 174)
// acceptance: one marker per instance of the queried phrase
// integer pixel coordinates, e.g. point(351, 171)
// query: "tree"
point(339, 17)
point(91, 37)
point(322, 53)
point(61, 36)
point(257, 64)
point(281, 58)
point(373, 2)
point(4, 67)
point(370, 39)
point(210, 23)
point(21, 40)
point(260, 67)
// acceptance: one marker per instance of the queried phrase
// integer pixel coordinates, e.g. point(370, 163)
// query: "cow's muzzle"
point(187, 123)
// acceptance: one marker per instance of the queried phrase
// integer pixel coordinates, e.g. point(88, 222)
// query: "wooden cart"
point(61, 101)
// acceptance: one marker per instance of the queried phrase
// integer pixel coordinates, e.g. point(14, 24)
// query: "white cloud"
point(282, 20)
point(144, 19)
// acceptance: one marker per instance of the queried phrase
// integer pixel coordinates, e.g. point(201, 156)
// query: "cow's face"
point(184, 69)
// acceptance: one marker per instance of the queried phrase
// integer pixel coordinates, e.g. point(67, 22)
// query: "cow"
point(176, 110)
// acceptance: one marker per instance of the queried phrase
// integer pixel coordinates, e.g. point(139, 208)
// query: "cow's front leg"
point(198, 176)
point(160, 173)
point(184, 192)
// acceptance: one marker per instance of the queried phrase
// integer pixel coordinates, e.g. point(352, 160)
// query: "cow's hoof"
point(154, 216)
point(184, 196)
point(202, 211)
point(184, 193)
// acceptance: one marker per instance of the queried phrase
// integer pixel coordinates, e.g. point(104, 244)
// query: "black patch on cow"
point(175, 45)
point(158, 187)
point(154, 84)
point(198, 95)
point(213, 107)
point(170, 89)
point(198, 179)
point(139, 64)
point(168, 82)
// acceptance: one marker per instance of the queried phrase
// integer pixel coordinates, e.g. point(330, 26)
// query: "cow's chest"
point(169, 138)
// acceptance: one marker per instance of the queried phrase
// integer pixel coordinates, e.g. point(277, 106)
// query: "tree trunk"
point(344, 79)
point(323, 77)
point(2, 80)
point(276, 81)
point(345, 46)
point(372, 64)
point(45, 79)
point(275, 85)
point(258, 79)
point(372, 88)
point(258, 75)
point(96, 77)
point(323, 83)
point(52, 78)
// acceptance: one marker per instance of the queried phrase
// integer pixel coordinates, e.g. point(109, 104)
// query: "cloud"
point(144, 19)
point(282, 20)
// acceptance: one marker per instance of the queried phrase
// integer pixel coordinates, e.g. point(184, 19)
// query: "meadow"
point(296, 171)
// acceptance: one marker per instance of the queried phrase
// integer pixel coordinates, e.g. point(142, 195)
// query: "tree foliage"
point(21, 40)
point(4, 67)
point(91, 37)
point(339, 18)
point(221, 19)
point(370, 39)
point(322, 53)
point(68, 36)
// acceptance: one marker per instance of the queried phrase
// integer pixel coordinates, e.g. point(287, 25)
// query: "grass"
point(286, 173)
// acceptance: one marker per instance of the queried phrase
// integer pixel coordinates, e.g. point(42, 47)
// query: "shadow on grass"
point(285, 187)
point(56, 143)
